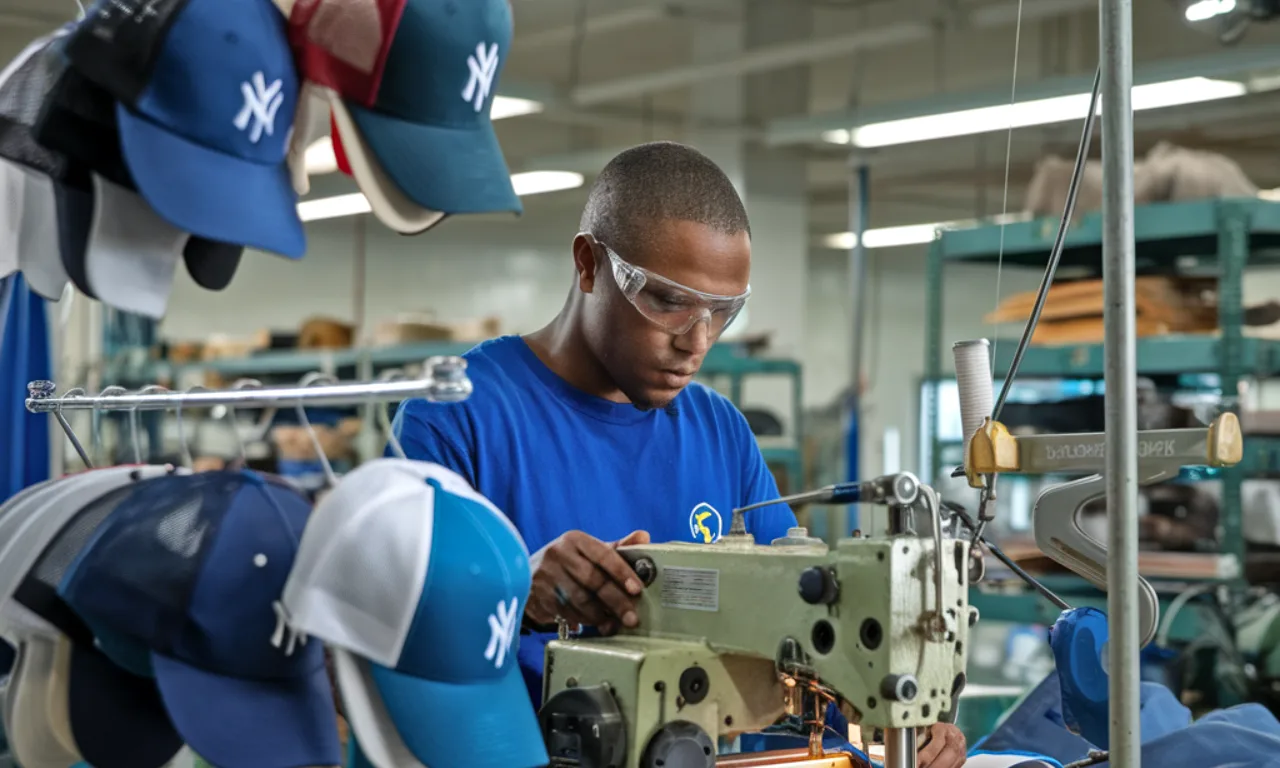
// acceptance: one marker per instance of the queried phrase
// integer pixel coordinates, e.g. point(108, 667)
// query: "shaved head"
point(660, 182)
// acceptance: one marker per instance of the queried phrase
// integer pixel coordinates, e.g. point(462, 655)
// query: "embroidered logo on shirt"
point(261, 102)
point(705, 524)
point(502, 633)
point(484, 69)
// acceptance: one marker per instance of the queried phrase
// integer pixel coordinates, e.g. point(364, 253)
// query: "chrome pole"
point(1119, 351)
point(900, 748)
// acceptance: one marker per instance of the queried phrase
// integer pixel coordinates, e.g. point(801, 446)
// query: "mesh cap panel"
point(22, 93)
point(136, 575)
point(192, 567)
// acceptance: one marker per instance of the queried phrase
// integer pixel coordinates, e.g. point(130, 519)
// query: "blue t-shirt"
point(556, 459)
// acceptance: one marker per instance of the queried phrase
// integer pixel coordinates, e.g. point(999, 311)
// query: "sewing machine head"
point(735, 636)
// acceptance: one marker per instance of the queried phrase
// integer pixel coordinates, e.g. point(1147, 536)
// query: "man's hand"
point(585, 581)
point(943, 748)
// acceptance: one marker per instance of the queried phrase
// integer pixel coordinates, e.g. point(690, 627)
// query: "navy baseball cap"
point(418, 584)
point(206, 93)
point(429, 124)
point(191, 567)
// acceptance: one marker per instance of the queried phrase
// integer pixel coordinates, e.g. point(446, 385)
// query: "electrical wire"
point(1055, 255)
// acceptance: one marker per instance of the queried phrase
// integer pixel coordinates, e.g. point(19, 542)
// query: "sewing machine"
point(736, 635)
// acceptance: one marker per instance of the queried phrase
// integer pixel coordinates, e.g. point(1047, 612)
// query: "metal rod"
point(899, 748)
point(445, 380)
point(859, 209)
point(1119, 351)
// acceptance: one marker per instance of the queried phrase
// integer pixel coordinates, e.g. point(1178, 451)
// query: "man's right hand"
point(585, 581)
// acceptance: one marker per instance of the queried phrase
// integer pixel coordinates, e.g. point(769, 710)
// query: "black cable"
point(1044, 591)
point(1055, 255)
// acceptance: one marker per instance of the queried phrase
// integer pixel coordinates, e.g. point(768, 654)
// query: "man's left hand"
point(944, 747)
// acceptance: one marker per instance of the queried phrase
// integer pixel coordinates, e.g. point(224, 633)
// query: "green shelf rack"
point(1219, 237)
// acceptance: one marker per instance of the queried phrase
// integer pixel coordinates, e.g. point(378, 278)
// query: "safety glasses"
point(673, 307)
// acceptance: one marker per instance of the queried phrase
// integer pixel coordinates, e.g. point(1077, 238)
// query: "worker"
point(590, 433)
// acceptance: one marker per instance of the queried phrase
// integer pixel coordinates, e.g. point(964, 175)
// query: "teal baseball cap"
point(428, 124)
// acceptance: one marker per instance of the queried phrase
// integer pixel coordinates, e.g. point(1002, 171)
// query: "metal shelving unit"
point(1212, 237)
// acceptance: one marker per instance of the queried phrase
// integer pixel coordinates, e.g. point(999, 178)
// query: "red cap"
point(343, 44)
point(338, 151)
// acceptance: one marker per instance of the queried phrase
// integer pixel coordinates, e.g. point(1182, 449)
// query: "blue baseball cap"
point(429, 126)
point(419, 585)
point(206, 92)
point(191, 567)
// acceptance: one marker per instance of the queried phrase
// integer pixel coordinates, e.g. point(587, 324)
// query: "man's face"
point(648, 363)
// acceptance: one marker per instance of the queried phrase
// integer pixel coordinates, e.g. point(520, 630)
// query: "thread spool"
point(973, 380)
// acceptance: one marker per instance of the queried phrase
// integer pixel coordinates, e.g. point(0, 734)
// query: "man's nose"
point(697, 340)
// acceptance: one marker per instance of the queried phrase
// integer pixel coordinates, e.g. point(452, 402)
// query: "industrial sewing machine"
point(736, 635)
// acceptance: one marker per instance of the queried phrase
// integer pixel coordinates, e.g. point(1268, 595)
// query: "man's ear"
point(584, 261)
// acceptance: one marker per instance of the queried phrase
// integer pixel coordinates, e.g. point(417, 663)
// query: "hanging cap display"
point(115, 720)
point(341, 47)
point(23, 87)
point(207, 93)
point(192, 567)
point(418, 85)
point(419, 583)
point(78, 120)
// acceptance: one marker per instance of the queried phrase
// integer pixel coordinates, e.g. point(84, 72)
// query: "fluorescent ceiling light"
point(1058, 109)
point(355, 204)
point(910, 234)
point(1207, 9)
point(320, 158)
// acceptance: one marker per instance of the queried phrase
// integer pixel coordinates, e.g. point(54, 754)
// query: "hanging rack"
point(444, 380)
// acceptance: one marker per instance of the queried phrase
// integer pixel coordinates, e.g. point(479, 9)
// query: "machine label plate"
point(691, 589)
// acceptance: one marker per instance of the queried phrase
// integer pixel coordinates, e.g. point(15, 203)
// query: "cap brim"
point(501, 729)
point(13, 185)
point(250, 723)
point(443, 169)
point(210, 194)
point(75, 218)
point(34, 743)
point(210, 263)
point(38, 255)
point(132, 254)
point(389, 203)
point(117, 719)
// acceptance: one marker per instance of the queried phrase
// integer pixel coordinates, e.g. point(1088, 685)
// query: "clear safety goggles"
point(673, 307)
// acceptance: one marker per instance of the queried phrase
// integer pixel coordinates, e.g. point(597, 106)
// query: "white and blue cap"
point(206, 92)
point(418, 584)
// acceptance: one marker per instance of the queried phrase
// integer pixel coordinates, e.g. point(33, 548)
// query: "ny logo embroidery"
point(484, 68)
point(261, 102)
point(502, 633)
point(138, 10)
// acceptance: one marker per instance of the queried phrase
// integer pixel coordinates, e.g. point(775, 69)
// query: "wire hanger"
point(234, 423)
point(185, 450)
point(384, 421)
point(135, 429)
point(312, 379)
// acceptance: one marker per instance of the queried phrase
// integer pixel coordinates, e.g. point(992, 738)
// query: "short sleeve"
point(436, 432)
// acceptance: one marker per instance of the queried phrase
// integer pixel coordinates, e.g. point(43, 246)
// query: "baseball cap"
point(31, 735)
point(191, 567)
point(206, 93)
point(341, 47)
point(418, 584)
point(110, 716)
point(78, 120)
point(23, 86)
point(13, 187)
point(417, 86)
point(134, 251)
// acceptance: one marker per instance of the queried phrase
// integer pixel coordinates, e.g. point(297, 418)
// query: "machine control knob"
point(899, 687)
point(818, 586)
point(679, 744)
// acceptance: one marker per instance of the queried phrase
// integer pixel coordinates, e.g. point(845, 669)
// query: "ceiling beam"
point(803, 52)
